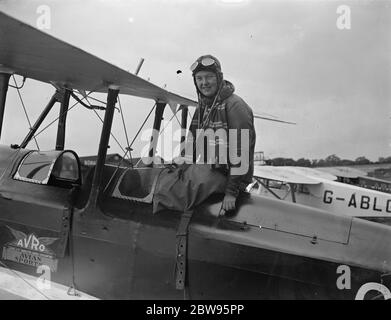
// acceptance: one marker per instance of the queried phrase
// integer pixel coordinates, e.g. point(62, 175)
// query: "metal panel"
point(264, 212)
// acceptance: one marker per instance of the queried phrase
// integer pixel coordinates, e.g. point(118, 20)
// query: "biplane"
point(358, 178)
point(96, 236)
point(322, 189)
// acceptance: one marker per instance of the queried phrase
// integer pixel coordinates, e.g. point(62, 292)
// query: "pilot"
point(223, 112)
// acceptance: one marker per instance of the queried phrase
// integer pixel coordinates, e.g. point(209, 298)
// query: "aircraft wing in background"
point(282, 174)
point(343, 172)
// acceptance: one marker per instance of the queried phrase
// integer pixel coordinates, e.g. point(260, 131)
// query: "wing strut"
point(156, 129)
point(292, 187)
point(184, 126)
point(267, 188)
point(102, 152)
point(57, 97)
point(60, 141)
point(4, 80)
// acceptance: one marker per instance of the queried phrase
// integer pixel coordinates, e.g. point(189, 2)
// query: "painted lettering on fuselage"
point(363, 202)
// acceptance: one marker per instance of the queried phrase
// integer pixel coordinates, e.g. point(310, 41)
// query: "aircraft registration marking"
point(363, 202)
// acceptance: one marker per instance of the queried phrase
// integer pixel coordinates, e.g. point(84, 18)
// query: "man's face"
point(206, 82)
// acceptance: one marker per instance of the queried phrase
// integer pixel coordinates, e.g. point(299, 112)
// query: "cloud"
point(285, 58)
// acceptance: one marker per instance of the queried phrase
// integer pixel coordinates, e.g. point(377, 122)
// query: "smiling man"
point(206, 82)
point(221, 110)
point(221, 139)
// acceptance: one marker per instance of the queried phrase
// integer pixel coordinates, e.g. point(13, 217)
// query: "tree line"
point(331, 160)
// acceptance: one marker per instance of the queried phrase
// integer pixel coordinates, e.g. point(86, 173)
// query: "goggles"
point(206, 62)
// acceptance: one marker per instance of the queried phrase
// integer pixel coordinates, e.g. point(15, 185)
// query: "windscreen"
point(39, 167)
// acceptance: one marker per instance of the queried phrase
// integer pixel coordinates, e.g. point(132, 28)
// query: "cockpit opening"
point(56, 168)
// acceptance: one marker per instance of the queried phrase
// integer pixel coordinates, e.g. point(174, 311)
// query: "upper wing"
point(34, 54)
point(344, 172)
point(312, 173)
point(282, 174)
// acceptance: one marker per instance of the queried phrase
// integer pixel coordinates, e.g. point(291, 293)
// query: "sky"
point(300, 61)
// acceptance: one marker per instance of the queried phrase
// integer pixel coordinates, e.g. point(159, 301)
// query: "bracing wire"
point(113, 136)
point(24, 280)
point(125, 131)
point(174, 115)
point(24, 107)
point(69, 109)
point(16, 86)
point(143, 124)
point(161, 131)
point(131, 144)
point(97, 100)
point(190, 115)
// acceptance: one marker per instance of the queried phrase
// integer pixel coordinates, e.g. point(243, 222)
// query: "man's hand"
point(229, 203)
